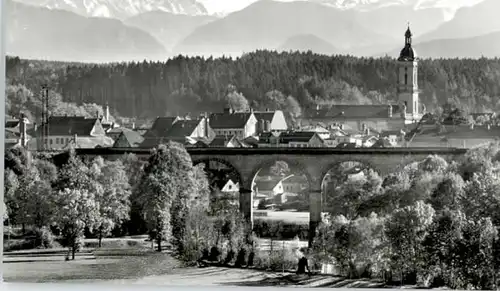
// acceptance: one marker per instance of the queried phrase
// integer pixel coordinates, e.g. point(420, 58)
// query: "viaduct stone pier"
point(314, 162)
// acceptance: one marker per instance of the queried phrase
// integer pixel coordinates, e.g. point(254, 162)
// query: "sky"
point(227, 6)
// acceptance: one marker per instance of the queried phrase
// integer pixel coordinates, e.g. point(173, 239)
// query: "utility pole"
point(45, 116)
point(40, 141)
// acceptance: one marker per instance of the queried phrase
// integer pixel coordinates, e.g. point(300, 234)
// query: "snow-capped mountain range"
point(122, 9)
point(417, 4)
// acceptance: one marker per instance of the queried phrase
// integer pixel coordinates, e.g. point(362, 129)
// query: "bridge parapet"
point(314, 162)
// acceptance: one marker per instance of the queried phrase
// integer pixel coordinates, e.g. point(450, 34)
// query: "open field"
point(117, 264)
point(286, 216)
point(125, 264)
point(153, 269)
point(129, 258)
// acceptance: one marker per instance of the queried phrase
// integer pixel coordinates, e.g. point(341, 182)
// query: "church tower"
point(407, 87)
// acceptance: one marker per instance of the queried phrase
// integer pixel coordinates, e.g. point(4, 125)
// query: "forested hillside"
point(191, 85)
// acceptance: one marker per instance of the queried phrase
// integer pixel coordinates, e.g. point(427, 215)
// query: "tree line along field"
point(432, 223)
point(194, 84)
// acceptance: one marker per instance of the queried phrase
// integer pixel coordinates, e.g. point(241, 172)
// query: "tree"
point(201, 195)
point(455, 116)
point(274, 99)
point(479, 160)
point(5, 213)
point(392, 195)
point(349, 198)
point(293, 109)
point(17, 99)
point(197, 235)
point(405, 230)
point(460, 251)
point(352, 244)
point(237, 101)
point(11, 184)
point(23, 197)
point(41, 207)
point(134, 171)
point(161, 184)
point(280, 169)
point(470, 84)
point(198, 229)
point(185, 194)
point(441, 243)
point(77, 209)
point(433, 164)
point(74, 175)
point(113, 201)
point(47, 170)
point(449, 193)
point(482, 196)
point(422, 187)
point(17, 160)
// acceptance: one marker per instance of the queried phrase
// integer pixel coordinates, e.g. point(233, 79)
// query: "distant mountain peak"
point(121, 9)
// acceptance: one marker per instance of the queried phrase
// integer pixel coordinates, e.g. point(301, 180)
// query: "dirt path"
point(217, 276)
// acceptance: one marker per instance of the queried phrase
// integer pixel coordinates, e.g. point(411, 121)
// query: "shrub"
point(190, 253)
point(277, 260)
point(121, 243)
point(251, 259)
point(215, 254)
point(38, 238)
point(241, 258)
point(17, 245)
point(288, 230)
point(44, 238)
point(355, 246)
point(229, 257)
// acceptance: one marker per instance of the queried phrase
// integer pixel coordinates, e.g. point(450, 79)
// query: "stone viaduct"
point(314, 162)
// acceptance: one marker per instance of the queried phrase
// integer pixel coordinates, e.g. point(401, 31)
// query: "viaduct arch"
point(315, 162)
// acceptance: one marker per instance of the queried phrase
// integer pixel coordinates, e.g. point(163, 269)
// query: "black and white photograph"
point(252, 143)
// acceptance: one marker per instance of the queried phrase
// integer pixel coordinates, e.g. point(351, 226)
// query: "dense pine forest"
point(194, 84)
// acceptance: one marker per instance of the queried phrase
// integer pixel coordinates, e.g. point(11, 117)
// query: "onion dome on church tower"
point(407, 53)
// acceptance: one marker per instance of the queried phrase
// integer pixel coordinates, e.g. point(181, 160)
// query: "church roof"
point(130, 137)
point(354, 112)
point(407, 54)
point(71, 125)
point(229, 120)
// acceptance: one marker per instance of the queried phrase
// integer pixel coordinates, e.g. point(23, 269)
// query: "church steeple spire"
point(407, 53)
point(408, 35)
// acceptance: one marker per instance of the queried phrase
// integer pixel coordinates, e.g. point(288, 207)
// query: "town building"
point(66, 131)
point(226, 141)
point(106, 121)
point(184, 130)
point(230, 187)
point(229, 122)
point(16, 131)
point(323, 132)
point(309, 139)
point(395, 138)
point(460, 136)
point(128, 138)
point(270, 121)
point(225, 192)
